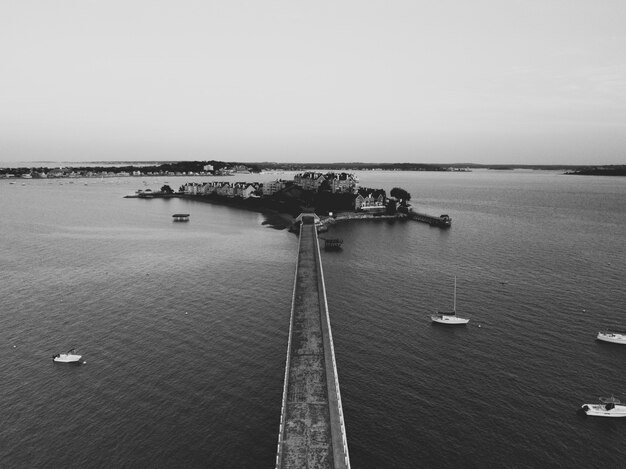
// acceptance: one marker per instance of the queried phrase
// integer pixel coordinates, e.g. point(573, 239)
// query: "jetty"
point(442, 221)
point(312, 432)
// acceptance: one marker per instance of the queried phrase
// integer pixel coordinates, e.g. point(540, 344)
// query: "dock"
point(442, 221)
point(312, 431)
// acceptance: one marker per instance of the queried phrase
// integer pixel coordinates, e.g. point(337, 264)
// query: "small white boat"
point(608, 407)
point(68, 357)
point(615, 337)
point(449, 317)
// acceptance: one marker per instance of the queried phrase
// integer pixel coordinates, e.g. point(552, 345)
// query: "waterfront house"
point(225, 190)
point(241, 169)
point(56, 173)
point(243, 190)
point(209, 188)
point(309, 181)
point(272, 187)
point(370, 200)
point(342, 182)
point(192, 188)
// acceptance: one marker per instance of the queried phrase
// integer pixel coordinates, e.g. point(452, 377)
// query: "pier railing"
point(312, 430)
point(334, 389)
point(287, 365)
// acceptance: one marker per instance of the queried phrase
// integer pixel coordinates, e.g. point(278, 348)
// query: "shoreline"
point(326, 221)
point(275, 218)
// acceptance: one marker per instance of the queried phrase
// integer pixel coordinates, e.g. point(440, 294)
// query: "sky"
point(482, 81)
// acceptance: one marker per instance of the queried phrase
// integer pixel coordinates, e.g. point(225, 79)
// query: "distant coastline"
point(223, 168)
point(600, 171)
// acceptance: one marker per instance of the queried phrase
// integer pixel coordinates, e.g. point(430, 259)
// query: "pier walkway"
point(312, 432)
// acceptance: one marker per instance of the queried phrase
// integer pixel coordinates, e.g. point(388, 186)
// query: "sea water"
point(183, 326)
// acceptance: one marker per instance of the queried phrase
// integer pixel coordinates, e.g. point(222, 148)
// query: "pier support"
point(312, 432)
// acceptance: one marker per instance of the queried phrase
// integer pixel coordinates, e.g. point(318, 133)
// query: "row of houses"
point(69, 173)
point(367, 200)
point(243, 190)
point(335, 182)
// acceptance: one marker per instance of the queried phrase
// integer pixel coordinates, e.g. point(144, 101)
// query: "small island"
point(333, 197)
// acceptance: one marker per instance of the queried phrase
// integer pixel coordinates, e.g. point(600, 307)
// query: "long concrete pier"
point(312, 432)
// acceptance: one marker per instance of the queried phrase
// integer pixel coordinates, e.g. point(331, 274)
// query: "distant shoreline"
point(599, 171)
point(216, 168)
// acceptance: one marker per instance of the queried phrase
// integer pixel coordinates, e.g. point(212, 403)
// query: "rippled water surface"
point(183, 326)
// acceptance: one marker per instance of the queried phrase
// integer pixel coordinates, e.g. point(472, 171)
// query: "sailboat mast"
point(454, 307)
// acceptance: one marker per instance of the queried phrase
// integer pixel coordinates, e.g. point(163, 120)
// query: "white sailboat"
point(449, 317)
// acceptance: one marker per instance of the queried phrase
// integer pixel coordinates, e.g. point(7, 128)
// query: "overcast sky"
point(497, 81)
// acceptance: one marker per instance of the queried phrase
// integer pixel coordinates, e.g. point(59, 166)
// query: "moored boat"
point(608, 407)
point(449, 317)
point(181, 217)
point(615, 337)
point(68, 357)
point(332, 244)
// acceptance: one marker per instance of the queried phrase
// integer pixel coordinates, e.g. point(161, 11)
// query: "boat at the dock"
point(608, 407)
point(615, 337)
point(181, 217)
point(68, 357)
point(333, 244)
point(449, 317)
point(445, 221)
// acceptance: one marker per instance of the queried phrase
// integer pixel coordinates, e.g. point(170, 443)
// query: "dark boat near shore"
point(332, 244)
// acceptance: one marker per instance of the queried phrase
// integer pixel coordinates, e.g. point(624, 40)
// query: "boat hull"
point(447, 319)
point(600, 410)
point(612, 337)
point(65, 358)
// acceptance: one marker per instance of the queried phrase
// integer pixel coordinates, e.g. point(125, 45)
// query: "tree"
point(400, 194)
point(166, 189)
